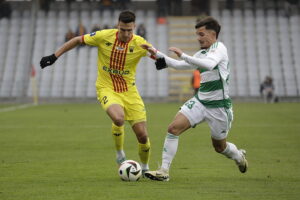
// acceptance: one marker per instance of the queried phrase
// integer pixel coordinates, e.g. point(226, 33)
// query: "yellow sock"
point(144, 153)
point(118, 136)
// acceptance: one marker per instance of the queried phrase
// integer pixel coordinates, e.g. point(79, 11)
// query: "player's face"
point(205, 37)
point(125, 31)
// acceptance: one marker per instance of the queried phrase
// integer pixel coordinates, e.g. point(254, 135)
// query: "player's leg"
point(136, 115)
point(112, 103)
point(140, 130)
point(231, 151)
point(219, 120)
point(189, 115)
point(178, 126)
point(116, 113)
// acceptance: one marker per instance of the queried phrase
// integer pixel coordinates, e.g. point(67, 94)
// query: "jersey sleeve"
point(93, 39)
point(213, 58)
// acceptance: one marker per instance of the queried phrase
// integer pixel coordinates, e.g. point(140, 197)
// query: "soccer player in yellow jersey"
point(119, 52)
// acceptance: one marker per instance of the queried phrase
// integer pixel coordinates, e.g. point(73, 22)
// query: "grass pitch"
point(66, 152)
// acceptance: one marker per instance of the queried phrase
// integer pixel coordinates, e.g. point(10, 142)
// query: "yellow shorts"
point(131, 102)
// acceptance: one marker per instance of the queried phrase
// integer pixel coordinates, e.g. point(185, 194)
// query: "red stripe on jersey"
point(124, 84)
point(118, 58)
point(117, 61)
point(111, 64)
point(123, 65)
point(113, 81)
point(119, 81)
point(124, 59)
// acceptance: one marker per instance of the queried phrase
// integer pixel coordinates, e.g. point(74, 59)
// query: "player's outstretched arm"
point(49, 60)
point(207, 63)
point(164, 61)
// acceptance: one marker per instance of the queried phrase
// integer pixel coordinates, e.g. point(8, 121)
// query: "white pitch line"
point(13, 108)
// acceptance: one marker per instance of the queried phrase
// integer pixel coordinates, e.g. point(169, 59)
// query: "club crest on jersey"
point(92, 34)
point(131, 48)
point(120, 48)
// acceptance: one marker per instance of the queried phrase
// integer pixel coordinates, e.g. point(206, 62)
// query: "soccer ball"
point(130, 170)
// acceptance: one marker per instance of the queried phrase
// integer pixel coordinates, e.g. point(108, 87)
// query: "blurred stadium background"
point(262, 38)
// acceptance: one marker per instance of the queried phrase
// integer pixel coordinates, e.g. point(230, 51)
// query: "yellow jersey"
point(117, 61)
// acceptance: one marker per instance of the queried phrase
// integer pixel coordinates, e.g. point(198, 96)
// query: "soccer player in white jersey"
point(211, 103)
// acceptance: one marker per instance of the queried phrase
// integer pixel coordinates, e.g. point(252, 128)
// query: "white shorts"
point(218, 119)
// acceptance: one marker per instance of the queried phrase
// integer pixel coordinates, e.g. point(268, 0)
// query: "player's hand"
point(150, 49)
point(161, 63)
point(176, 50)
point(47, 60)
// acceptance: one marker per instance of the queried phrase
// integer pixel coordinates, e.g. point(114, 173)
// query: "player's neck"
point(211, 43)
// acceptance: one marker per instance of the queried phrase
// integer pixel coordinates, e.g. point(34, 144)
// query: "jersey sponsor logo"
point(115, 71)
point(92, 34)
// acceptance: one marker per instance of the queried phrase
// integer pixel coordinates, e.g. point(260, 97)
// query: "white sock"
point(232, 152)
point(120, 154)
point(144, 166)
point(169, 151)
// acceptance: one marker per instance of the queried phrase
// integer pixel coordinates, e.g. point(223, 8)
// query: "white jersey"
point(213, 63)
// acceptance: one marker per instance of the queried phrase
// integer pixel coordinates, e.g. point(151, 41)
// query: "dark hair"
point(127, 16)
point(210, 23)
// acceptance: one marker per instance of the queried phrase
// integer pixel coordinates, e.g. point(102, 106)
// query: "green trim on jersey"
point(205, 70)
point(213, 46)
point(226, 103)
point(211, 86)
point(202, 70)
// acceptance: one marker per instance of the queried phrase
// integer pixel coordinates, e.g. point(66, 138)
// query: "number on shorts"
point(104, 100)
point(190, 104)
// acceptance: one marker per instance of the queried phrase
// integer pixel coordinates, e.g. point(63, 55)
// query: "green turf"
point(65, 152)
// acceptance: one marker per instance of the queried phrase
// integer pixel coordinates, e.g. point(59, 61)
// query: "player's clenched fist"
point(47, 60)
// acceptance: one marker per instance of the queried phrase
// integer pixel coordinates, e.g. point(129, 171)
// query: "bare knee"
point(140, 132)
point(142, 139)
point(173, 130)
point(219, 149)
point(219, 145)
point(119, 121)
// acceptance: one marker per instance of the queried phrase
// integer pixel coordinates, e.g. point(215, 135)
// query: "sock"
point(144, 153)
point(169, 150)
point(232, 152)
point(118, 136)
point(120, 155)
